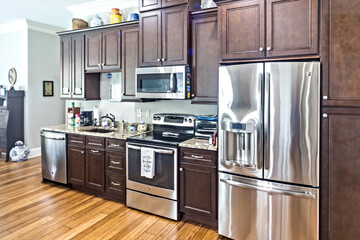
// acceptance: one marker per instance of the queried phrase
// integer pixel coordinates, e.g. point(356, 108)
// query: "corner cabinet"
point(164, 37)
point(205, 58)
point(268, 28)
point(146, 5)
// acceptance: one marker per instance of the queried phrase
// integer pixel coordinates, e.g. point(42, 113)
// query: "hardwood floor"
point(30, 209)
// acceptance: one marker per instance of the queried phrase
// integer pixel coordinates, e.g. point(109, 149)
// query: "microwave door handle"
point(172, 82)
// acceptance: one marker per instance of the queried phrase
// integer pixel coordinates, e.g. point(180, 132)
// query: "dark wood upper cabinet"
point(291, 27)
point(340, 164)
point(340, 53)
point(76, 165)
point(103, 50)
point(164, 37)
point(95, 178)
point(242, 30)
point(169, 3)
point(150, 39)
point(175, 35)
point(205, 58)
point(78, 64)
point(146, 5)
point(66, 66)
point(285, 29)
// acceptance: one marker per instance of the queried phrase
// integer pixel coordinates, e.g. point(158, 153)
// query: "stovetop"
point(158, 139)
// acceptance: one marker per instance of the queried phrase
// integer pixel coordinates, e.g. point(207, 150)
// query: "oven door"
point(160, 83)
point(164, 183)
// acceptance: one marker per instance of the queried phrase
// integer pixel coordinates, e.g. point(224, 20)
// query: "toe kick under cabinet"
point(97, 165)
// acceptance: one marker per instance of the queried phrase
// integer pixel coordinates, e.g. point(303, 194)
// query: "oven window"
point(153, 83)
point(164, 170)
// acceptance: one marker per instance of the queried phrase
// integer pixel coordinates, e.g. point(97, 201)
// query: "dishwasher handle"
point(52, 138)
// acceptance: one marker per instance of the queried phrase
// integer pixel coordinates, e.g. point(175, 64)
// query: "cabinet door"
point(169, 3)
point(93, 49)
point(340, 52)
point(95, 169)
point(111, 52)
point(150, 39)
point(146, 5)
point(340, 211)
point(292, 27)
point(198, 190)
point(175, 36)
point(130, 60)
point(242, 30)
point(78, 63)
point(66, 67)
point(205, 60)
point(76, 165)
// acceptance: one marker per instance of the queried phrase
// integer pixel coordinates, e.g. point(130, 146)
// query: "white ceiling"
point(52, 12)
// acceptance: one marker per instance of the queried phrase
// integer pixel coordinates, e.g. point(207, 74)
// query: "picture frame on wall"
point(48, 88)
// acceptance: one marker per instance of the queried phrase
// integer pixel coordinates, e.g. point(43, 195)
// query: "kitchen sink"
point(100, 130)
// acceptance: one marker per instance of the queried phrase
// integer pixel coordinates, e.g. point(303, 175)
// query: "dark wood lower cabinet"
point(95, 169)
point(116, 184)
point(76, 165)
point(340, 164)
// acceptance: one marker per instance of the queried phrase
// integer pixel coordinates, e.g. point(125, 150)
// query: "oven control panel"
point(174, 119)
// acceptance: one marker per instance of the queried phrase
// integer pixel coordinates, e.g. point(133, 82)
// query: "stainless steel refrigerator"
point(269, 118)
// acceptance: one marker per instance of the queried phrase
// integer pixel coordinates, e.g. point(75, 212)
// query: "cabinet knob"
point(82, 152)
point(192, 95)
point(103, 64)
point(325, 115)
point(181, 169)
point(268, 49)
point(163, 59)
point(99, 64)
point(261, 49)
point(325, 97)
point(158, 59)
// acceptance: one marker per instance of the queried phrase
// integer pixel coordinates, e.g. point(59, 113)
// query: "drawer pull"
point(197, 156)
point(117, 163)
point(114, 145)
point(115, 184)
point(94, 151)
point(82, 152)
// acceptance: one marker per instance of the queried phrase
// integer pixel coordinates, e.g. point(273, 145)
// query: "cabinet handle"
point(163, 59)
point(116, 163)
point(158, 59)
point(197, 156)
point(115, 184)
point(82, 152)
point(103, 64)
point(114, 145)
point(192, 95)
point(268, 49)
point(99, 64)
point(325, 115)
point(94, 151)
point(181, 169)
point(261, 49)
point(325, 97)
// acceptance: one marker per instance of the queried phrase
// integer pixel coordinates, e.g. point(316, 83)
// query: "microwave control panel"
point(187, 82)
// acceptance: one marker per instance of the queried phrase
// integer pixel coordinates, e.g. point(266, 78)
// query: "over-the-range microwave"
point(163, 82)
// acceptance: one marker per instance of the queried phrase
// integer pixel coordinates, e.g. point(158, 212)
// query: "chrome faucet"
point(105, 120)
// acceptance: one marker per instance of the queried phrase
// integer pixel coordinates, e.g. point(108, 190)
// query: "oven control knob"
point(154, 118)
point(158, 118)
point(185, 120)
point(190, 120)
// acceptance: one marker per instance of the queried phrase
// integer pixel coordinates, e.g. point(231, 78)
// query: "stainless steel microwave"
point(163, 82)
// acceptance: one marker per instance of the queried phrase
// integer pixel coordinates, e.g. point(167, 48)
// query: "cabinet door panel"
point(150, 39)
point(169, 3)
point(66, 67)
point(130, 59)
point(93, 51)
point(292, 27)
point(175, 35)
point(340, 176)
point(95, 169)
point(340, 53)
point(146, 5)
point(78, 62)
point(76, 165)
point(111, 49)
point(242, 30)
point(205, 60)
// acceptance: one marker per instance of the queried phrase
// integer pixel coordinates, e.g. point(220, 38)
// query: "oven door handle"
point(169, 152)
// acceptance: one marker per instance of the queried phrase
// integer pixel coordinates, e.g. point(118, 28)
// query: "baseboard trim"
point(34, 152)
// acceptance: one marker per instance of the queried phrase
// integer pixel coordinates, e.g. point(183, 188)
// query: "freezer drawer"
point(255, 209)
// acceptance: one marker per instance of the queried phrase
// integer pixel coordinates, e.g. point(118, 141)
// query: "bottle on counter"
point(77, 121)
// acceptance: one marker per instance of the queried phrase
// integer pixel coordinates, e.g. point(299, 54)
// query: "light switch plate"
point(138, 113)
point(147, 113)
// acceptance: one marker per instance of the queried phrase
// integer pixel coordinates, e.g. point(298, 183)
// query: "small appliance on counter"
point(205, 126)
point(86, 118)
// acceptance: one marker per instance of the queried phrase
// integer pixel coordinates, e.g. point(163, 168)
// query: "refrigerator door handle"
point(269, 190)
point(266, 120)
point(239, 164)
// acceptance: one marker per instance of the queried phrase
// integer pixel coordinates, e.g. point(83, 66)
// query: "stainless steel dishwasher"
point(53, 156)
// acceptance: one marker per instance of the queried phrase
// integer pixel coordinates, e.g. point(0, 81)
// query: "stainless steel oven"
point(158, 194)
point(163, 82)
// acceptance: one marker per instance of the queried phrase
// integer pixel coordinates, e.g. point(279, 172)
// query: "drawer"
point(74, 139)
point(97, 142)
point(196, 156)
point(116, 162)
point(115, 145)
point(115, 183)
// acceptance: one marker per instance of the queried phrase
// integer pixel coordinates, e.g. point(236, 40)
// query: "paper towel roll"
point(96, 115)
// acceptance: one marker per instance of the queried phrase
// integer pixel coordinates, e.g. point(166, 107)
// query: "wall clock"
point(12, 76)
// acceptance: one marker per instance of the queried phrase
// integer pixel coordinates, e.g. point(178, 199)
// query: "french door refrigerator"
point(269, 118)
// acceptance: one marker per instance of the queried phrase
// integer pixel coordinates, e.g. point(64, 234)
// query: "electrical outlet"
point(147, 113)
point(138, 113)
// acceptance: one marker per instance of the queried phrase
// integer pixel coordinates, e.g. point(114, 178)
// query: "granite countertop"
point(117, 134)
point(199, 144)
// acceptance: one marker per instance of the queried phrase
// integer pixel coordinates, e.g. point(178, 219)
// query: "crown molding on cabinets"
point(40, 27)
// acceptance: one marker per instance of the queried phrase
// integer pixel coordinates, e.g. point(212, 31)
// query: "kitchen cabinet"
point(76, 165)
point(340, 53)
point(146, 5)
point(73, 81)
point(95, 169)
point(164, 37)
point(268, 28)
point(103, 50)
point(205, 58)
point(340, 164)
point(198, 185)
